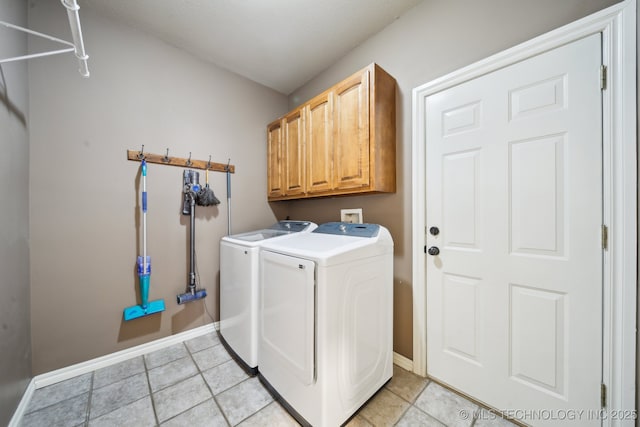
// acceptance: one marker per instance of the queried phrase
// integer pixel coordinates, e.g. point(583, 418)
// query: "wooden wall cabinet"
point(275, 176)
point(285, 155)
point(340, 142)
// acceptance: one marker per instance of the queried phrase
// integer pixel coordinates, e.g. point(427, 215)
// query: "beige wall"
point(15, 338)
point(431, 40)
point(638, 266)
point(84, 216)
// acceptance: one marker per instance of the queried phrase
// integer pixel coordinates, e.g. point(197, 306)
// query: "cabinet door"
point(351, 132)
point(319, 145)
point(293, 157)
point(275, 178)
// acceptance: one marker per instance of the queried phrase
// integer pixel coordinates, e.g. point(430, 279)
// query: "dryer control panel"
point(348, 229)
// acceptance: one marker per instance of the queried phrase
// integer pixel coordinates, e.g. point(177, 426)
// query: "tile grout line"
point(419, 393)
point(474, 417)
point(259, 409)
point(213, 396)
point(479, 405)
point(231, 359)
point(59, 402)
point(153, 402)
point(411, 404)
point(87, 416)
point(369, 400)
point(199, 372)
point(93, 376)
point(228, 388)
point(403, 413)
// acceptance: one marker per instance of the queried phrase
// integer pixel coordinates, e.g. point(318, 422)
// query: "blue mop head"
point(137, 311)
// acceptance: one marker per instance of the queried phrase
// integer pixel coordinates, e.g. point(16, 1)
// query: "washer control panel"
point(348, 229)
point(291, 226)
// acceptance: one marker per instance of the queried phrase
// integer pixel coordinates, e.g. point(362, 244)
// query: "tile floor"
point(197, 383)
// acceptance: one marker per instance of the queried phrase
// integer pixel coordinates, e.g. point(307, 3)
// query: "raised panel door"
point(351, 132)
point(293, 153)
point(514, 296)
point(275, 176)
point(319, 145)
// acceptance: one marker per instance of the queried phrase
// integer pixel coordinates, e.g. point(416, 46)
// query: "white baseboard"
point(22, 406)
point(68, 372)
point(403, 362)
point(58, 375)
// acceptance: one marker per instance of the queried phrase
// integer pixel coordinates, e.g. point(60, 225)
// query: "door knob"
point(433, 250)
point(434, 231)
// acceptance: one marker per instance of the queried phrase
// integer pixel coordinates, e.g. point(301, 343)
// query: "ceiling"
point(281, 44)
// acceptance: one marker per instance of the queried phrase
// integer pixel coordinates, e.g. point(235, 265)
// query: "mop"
point(191, 190)
point(146, 307)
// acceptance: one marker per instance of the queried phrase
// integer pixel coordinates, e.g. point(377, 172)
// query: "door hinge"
point(605, 237)
point(603, 395)
point(603, 77)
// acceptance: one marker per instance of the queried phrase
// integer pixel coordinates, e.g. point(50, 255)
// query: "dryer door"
point(287, 310)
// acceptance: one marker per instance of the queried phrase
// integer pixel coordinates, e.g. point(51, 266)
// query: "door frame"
point(617, 24)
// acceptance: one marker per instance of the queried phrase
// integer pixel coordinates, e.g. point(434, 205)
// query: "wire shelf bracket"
point(76, 32)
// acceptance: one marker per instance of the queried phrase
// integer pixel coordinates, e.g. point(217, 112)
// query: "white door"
point(514, 186)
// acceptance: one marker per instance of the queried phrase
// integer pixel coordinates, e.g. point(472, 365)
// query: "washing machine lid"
point(290, 226)
point(258, 235)
point(279, 229)
point(329, 244)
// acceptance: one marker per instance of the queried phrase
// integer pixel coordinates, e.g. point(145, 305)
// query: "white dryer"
point(326, 320)
point(239, 288)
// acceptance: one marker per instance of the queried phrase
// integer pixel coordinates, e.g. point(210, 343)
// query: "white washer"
point(326, 320)
point(239, 288)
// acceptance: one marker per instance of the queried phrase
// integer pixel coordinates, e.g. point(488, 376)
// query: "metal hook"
point(226, 168)
point(141, 153)
point(166, 157)
point(209, 162)
point(189, 159)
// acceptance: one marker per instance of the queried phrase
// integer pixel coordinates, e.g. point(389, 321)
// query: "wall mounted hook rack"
point(138, 155)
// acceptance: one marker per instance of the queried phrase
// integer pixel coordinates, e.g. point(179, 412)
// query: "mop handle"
point(144, 216)
point(228, 185)
point(228, 201)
